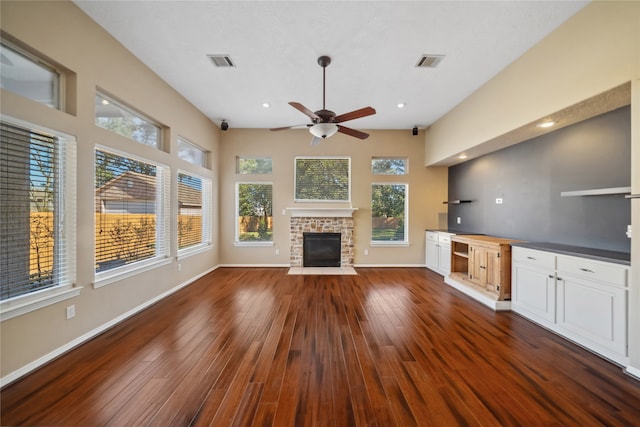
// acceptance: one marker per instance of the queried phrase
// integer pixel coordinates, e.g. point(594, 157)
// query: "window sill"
point(28, 303)
point(390, 244)
point(109, 277)
point(187, 252)
point(252, 243)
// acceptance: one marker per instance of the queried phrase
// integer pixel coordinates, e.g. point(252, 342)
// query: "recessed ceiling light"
point(546, 124)
point(105, 102)
point(266, 105)
point(462, 156)
point(401, 105)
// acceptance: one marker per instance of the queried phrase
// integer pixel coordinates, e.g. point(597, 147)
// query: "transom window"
point(37, 215)
point(28, 76)
point(326, 179)
point(389, 166)
point(254, 165)
point(114, 116)
point(191, 153)
point(131, 205)
point(389, 213)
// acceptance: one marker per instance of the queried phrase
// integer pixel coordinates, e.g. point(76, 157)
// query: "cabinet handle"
point(530, 257)
point(551, 276)
point(560, 279)
point(586, 270)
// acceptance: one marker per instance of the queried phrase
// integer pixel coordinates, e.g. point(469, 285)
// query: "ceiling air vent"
point(221, 60)
point(429, 61)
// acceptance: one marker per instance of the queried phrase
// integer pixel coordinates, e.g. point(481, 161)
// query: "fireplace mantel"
point(322, 212)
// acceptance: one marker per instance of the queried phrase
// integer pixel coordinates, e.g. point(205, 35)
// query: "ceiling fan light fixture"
point(323, 130)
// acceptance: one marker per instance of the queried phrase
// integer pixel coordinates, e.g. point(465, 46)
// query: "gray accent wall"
point(530, 176)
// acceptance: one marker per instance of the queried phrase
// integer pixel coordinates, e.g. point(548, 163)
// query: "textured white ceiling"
point(374, 46)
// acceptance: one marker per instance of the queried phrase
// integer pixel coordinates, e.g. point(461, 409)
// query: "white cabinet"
point(581, 299)
point(533, 281)
point(438, 252)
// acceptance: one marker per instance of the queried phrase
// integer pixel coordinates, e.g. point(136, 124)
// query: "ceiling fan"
point(324, 123)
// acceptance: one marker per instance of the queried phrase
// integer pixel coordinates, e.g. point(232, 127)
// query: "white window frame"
point(162, 210)
point(239, 158)
point(237, 241)
point(204, 153)
point(58, 83)
point(406, 165)
point(26, 303)
point(137, 114)
point(295, 179)
point(207, 218)
point(392, 243)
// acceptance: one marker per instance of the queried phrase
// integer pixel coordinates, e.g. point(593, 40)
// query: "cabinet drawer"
point(533, 257)
point(444, 238)
point(589, 269)
point(431, 236)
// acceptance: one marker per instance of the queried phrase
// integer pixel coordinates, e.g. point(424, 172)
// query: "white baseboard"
point(254, 265)
point(478, 296)
point(19, 373)
point(390, 265)
point(632, 372)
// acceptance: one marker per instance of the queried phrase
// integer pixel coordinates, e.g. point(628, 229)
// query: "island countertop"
point(623, 258)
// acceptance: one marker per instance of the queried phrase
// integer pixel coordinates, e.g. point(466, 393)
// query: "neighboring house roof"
point(131, 186)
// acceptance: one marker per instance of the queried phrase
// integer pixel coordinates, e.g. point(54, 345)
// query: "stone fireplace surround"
point(321, 220)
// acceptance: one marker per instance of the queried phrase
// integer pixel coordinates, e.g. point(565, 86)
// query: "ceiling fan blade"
point(316, 140)
point(304, 110)
point(363, 112)
point(352, 132)
point(290, 127)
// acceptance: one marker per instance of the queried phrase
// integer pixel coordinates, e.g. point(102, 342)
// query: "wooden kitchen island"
point(481, 268)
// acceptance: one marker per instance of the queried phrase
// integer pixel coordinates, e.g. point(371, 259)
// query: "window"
point(131, 205)
point(191, 153)
point(194, 211)
point(112, 116)
point(37, 215)
point(389, 209)
point(28, 76)
point(254, 207)
point(389, 166)
point(322, 179)
point(253, 165)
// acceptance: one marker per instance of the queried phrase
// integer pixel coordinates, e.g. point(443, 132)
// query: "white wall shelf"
point(597, 192)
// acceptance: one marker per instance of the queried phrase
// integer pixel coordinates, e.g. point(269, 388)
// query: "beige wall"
point(61, 32)
point(427, 190)
point(594, 51)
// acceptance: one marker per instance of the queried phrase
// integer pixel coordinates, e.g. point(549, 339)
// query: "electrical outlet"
point(71, 312)
point(366, 251)
point(499, 201)
point(284, 211)
point(179, 267)
point(459, 220)
point(277, 251)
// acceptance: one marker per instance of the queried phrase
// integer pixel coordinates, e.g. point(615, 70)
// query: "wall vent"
point(221, 61)
point(429, 61)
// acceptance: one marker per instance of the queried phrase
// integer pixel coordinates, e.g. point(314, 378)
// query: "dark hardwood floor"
point(389, 347)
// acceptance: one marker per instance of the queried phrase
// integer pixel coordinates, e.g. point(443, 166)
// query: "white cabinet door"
point(533, 293)
point(432, 251)
point(444, 257)
point(593, 314)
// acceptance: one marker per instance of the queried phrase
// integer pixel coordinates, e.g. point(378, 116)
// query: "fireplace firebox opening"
point(321, 249)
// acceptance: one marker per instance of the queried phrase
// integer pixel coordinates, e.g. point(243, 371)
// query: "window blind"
point(37, 231)
point(194, 210)
point(131, 197)
point(322, 179)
